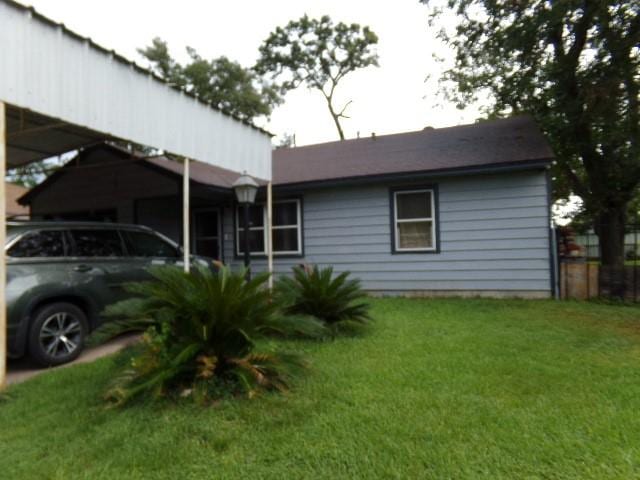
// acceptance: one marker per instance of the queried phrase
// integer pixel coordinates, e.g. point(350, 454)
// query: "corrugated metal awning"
point(64, 91)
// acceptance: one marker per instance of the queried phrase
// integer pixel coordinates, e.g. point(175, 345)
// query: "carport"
point(60, 92)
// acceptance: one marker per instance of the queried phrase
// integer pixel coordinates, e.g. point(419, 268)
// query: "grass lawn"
point(438, 389)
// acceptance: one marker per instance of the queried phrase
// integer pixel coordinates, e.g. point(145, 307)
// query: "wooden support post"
point(3, 233)
point(186, 217)
point(270, 234)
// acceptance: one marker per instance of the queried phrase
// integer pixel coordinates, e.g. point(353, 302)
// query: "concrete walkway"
point(23, 369)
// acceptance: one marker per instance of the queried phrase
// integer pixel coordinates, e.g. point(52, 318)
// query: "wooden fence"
point(580, 273)
point(581, 280)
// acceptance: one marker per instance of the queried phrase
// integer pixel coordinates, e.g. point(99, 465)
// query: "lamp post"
point(246, 188)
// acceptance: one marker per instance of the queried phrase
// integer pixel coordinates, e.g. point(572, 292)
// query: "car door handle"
point(82, 268)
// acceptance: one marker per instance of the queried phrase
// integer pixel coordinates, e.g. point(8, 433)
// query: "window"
point(48, 243)
point(97, 243)
point(143, 244)
point(414, 221)
point(257, 236)
point(286, 226)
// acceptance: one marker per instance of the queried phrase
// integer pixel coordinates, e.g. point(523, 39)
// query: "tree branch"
point(341, 114)
point(580, 32)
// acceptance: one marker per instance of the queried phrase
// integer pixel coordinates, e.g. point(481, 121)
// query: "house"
point(12, 193)
point(454, 211)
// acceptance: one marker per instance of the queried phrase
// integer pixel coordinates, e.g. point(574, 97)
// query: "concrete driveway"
point(23, 369)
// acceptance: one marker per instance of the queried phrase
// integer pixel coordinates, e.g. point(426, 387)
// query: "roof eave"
point(503, 167)
point(536, 164)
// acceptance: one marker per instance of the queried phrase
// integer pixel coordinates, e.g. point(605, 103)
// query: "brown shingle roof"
point(512, 141)
point(198, 171)
point(494, 142)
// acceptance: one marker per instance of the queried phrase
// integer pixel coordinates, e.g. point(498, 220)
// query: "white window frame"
point(297, 226)
point(432, 219)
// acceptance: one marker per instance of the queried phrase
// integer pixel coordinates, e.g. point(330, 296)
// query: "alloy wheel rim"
point(60, 335)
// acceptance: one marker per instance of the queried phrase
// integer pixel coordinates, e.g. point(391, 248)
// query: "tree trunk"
point(335, 116)
point(610, 227)
point(338, 126)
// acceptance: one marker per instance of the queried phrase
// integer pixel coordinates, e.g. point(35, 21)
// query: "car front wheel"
point(57, 334)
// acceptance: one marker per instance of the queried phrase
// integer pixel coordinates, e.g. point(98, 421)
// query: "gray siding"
point(494, 238)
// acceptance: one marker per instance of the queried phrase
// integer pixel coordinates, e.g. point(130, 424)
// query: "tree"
point(288, 140)
point(318, 54)
point(33, 173)
point(575, 66)
point(223, 83)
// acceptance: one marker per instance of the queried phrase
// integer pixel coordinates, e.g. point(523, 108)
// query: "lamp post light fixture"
point(245, 189)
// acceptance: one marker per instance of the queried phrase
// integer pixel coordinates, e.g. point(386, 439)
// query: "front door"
point(206, 239)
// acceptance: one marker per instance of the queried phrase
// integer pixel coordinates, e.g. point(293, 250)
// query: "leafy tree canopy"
point(575, 66)
point(33, 173)
point(225, 84)
point(319, 54)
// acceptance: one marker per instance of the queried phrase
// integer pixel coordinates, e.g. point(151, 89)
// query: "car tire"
point(57, 334)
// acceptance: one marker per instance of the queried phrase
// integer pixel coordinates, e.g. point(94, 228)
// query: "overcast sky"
point(390, 99)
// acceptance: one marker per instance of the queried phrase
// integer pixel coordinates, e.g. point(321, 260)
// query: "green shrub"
point(338, 301)
point(201, 332)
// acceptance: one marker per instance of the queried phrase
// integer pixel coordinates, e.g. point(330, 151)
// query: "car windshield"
point(12, 231)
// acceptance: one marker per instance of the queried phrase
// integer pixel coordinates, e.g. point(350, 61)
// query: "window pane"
point(144, 244)
point(40, 244)
point(285, 240)
point(256, 241)
point(256, 218)
point(285, 213)
point(413, 205)
point(97, 243)
point(415, 235)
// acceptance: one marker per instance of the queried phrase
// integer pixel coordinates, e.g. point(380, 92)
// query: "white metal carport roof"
point(84, 93)
point(60, 91)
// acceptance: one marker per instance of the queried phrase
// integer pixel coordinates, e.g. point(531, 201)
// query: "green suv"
point(60, 275)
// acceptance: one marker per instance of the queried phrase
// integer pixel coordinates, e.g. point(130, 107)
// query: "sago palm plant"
point(201, 327)
point(338, 300)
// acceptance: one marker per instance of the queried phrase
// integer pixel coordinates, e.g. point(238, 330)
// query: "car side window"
point(47, 243)
point(96, 243)
point(143, 244)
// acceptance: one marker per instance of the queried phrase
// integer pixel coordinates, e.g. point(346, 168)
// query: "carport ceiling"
point(32, 137)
